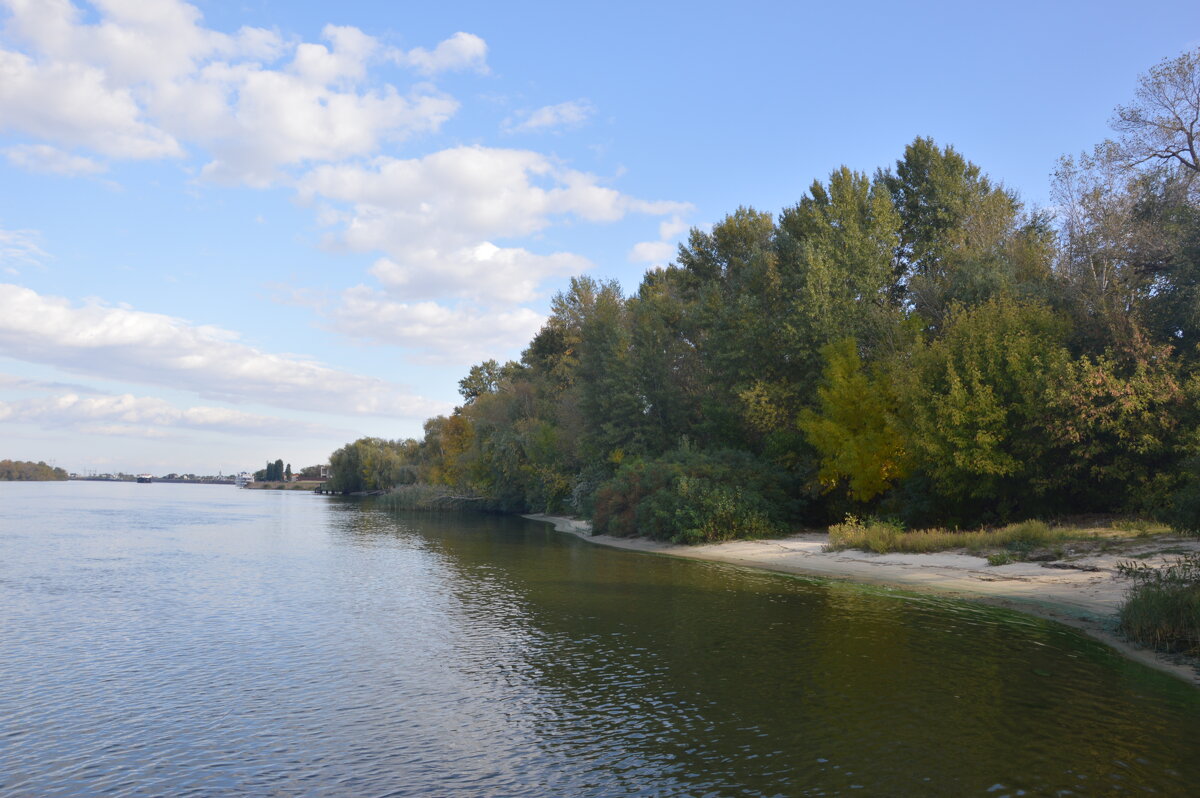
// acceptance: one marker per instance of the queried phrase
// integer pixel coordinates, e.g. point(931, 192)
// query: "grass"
point(1162, 609)
point(1140, 527)
point(885, 537)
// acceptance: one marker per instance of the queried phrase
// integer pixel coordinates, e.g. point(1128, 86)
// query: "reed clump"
point(1162, 609)
point(885, 537)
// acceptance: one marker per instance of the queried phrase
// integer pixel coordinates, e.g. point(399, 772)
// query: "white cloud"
point(51, 160)
point(480, 273)
point(12, 382)
point(19, 248)
point(153, 349)
point(652, 252)
point(72, 104)
point(147, 79)
point(461, 51)
point(281, 119)
point(459, 334)
point(663, 250)
point(146, 416)
point(570, 114)
point(669, 229)
point(437, 218)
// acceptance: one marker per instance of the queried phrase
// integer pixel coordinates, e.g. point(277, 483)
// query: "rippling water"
point(201, 640)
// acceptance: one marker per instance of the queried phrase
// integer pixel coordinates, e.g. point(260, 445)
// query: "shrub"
point(693, 497)
point(1183, 508)
point(432, 498)
point(1162, 609)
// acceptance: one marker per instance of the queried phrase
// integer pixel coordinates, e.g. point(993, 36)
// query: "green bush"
point(1162, 609)
point(1183, 508)
point(693, 497)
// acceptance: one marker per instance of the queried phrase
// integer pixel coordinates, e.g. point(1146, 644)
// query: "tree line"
point(274, 472)
point(28, 471)
point(914, 343)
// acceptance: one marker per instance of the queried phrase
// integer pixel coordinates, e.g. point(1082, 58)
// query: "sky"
point(232, 232)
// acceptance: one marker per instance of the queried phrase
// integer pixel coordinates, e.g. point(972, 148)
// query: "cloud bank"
point(153, 349)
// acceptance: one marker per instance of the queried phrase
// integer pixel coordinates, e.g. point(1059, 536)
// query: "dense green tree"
point(855, 428)
point(1126, 419)
point(372, 464)
point(973, 403)
point(28, 471)
point(915, 342)
point(952, 217)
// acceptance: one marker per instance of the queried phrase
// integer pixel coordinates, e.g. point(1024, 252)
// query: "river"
point(203, 640)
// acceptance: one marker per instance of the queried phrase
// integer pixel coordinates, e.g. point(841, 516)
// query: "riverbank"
point(1083, 592)
point(298, 485)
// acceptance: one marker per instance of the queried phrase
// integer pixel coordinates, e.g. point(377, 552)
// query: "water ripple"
point(198, 641)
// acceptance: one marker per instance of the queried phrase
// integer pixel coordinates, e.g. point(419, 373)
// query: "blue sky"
point(237, 231)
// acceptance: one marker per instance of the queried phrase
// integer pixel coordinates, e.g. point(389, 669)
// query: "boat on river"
point(145, 478)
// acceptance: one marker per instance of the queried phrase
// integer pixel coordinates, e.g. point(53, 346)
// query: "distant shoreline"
point(304, 484)
point(1084, 600)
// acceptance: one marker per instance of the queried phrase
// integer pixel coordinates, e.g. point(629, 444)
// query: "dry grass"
point(883, 537)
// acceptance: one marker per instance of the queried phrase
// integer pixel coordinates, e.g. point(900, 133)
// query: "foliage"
point(1125, 419)
point(692, 497)
point(1182, 509)
point(855, 431)
point(973, 404)
point(431, 498)
point(1163, 121)
point(274, 472)
point(28, 471)
point(1162, 608)
point(911, 342)
point(370, 464)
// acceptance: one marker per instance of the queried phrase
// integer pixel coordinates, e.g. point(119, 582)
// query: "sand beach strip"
point(1083, 591)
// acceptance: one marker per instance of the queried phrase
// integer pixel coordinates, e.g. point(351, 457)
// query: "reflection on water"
point(180, 639)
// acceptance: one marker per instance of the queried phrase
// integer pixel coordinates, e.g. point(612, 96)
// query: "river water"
point(203, 640)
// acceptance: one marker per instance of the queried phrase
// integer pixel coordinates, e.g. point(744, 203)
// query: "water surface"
point(202, 640)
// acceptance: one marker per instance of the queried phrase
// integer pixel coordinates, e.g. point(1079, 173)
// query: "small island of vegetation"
point(28, 471)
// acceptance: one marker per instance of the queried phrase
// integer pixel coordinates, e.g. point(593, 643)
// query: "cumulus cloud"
point(652, 252)
point(19, 248)
point(146, 416)
point(144, 80)
point(462, 51)
point(481, 273)
point(153, 349)
point(437, 218)
point(663, 250)
point(148, 80)
point(460, 334)
point(73, 105)
point(570, 114)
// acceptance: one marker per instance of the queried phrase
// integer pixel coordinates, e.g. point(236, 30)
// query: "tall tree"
point(1163, 122)
point(973, 404)
point(951, 216)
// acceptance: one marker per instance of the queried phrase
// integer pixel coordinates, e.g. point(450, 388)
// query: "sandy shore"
point(1085, 599)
